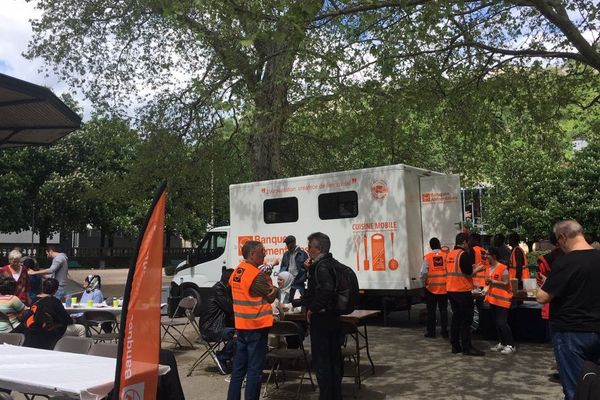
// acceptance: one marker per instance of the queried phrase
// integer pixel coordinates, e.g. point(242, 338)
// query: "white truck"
point(379, 220)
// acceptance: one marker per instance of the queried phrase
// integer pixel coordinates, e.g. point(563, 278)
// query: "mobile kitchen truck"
point(379, 220)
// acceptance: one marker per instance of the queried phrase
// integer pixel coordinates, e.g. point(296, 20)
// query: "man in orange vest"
point(459, 284)
point(433, 276)
point(518, 261)
point(479, 258)
point(544, 266)
point(252, 294)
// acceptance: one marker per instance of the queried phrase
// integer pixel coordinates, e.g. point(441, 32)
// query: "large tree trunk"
point(43, 232)
point(272, 108)
point(265, 142)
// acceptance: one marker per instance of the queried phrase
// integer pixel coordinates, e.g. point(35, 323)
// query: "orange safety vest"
point(436, 275)
point(512, 271)
point(249, 312)
point(456, 281)
point(479, 278)
point(499, 294)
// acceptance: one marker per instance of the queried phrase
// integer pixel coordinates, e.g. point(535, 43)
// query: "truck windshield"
point(211, 247)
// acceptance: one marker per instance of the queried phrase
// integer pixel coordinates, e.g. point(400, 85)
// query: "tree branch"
point(524, 52)
point(555, 13)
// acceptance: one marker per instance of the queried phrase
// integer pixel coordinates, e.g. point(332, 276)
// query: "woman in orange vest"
point(499, 297)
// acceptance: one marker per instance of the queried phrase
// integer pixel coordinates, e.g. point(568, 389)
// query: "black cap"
point(290, 239)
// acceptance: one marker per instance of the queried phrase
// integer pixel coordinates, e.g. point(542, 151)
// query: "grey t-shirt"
point(59, 269)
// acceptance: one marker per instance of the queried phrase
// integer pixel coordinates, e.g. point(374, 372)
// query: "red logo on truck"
point(242, 241)
point(379, 189)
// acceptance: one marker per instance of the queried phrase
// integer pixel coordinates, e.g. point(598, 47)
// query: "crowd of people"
point(471, 277)
point(32, 305)
point(245, 301)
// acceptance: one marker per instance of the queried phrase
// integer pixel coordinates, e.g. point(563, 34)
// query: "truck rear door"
point(441, 214)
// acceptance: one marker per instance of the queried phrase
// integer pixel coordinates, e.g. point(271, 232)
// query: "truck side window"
point(338, 205)
point(276, 211)
point(211, 247)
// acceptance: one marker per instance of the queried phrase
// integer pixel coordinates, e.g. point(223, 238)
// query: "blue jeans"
point(60, 293)
point(571, 349)
point(249, 359)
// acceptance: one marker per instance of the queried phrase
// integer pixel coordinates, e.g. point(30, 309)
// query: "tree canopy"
point(209, 60)
point(226, 91)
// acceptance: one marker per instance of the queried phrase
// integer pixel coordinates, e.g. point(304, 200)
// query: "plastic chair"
point(95, 320)
point(109, 350)
point(73, 344)
point(179, 324)
point(15, 339)
point(284, 329)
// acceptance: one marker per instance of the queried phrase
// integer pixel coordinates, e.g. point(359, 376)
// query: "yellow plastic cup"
point(73, 301)
point(90, 303)
point(116, 303)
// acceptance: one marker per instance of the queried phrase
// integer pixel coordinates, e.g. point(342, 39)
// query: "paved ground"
point(408, 366)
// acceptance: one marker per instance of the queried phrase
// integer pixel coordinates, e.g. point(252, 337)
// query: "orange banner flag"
point(136, 376)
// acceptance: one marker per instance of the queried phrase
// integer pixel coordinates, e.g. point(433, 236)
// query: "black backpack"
point(346, 289)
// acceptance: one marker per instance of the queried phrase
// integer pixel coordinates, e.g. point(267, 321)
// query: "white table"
point(54, 373)
point(82, 309)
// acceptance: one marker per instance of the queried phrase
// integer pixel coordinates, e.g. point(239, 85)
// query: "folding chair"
point(285, 329)
point(73, 344)
point(15, 339)
point(94, 322)
point(179, 324)
point(351, 349)
point(108, 350)
point(210, 349)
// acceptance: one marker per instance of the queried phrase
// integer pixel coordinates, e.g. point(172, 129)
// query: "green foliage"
point(580, 189)
point(266, 89)
point(267, 60)
point(62, 187)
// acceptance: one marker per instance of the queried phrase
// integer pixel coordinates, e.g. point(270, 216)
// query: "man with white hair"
point(571, 289)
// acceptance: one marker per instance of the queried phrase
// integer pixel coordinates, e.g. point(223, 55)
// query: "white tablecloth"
point(78, 376)
point(76, 310)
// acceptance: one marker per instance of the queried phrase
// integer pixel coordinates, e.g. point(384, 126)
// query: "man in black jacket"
point(325, 330)
point(216, 322)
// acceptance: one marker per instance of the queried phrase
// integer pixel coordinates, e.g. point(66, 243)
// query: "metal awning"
point(31, 115)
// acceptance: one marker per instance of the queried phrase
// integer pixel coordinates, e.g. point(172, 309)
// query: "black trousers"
point(462, 318)
point(433, 302)
point(502, 328)
point(326, 342)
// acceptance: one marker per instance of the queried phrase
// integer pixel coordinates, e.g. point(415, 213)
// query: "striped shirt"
point(11, 306)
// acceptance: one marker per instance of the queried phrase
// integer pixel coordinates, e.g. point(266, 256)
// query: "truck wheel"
point(190, 291)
